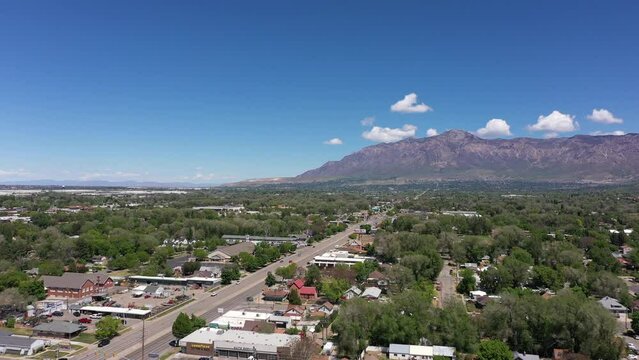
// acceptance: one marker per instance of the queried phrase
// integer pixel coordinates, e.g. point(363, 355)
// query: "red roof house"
point(308, 292)
point(299, 283)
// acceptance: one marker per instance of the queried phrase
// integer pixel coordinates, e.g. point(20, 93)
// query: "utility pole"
point(143, 321)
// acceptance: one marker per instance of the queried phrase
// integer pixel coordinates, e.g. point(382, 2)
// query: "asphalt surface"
point(158, 331)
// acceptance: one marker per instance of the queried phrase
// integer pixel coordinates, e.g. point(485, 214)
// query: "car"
point(96, 316)
point(57, 313)
point(282, 260)
point(174, 343)
point(213, 294)
point(104, 342)
point(204, 358)
point(76, 313)
point(84, 321)
point(249, 299)
point(147, 296)
point(82, 327)
point(237, 282)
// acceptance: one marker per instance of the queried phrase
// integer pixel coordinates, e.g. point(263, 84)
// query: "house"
point(284, 322)
point(277, 294)
point(326, 308)
point(352, 293)
point(613, 305)
point(377, 279)
point(524, 356)
point(371, 293)
point(308, 292)
point(77, 285)
point(226, 253)
point(296, 312)
point(20, 345)
point(58, 329)
point(298, 284)
point(154, 290)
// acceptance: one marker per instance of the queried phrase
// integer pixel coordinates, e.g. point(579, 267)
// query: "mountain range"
point(457, 155)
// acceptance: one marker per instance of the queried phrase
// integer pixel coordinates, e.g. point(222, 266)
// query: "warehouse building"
point(237, 344)
point(235, 319)
point(20, 345)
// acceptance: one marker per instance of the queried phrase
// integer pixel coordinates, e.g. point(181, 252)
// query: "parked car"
point(57, 313)
point(104, 342)
point(96, 316)
point(85, 321)
point(174, 343)
point(76, 313)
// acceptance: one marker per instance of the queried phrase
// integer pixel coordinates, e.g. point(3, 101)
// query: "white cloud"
point(494, 128)
point(431, 132)
point(334, 141)
point(604, 116)
point(555, 123)
point(389, 135)
point(409, 105)
point(367, 121)
point(615, 133)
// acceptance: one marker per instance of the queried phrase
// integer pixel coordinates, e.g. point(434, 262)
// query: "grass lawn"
point(50, 354)
point(18, 331)
point(87, 338)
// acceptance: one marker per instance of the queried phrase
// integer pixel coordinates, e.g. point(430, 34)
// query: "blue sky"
point(218, 91)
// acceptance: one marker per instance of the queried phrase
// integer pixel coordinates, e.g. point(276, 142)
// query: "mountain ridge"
point(459, 155)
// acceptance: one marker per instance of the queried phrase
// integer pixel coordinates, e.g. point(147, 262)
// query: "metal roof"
point(60, 327)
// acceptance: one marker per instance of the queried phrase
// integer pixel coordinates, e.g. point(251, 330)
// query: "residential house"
point(154, 291)
point(326, 308)
point(416, 352)
point(226, 253)
point(377, 279)
point(77, 285)
point(296, 312)
point(371, 293)
point(297, 284)
point(613, 305)
point(308, 292)
point(352, 293)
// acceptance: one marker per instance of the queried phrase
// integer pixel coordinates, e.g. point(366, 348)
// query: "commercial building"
point(58, 329)
point(238, 344)
point(119, 311)
point(77, 285)
point(20, 345)
point(166, 280)
point(235, 319)
point(225, 253)
point(334, 258)
point(273, 240)
point(416, 352)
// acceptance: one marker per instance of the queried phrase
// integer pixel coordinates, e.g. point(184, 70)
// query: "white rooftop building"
point(235, 319)
point(334, 258)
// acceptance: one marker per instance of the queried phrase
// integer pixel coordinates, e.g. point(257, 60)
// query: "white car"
point(96, 316)
point(213, 294)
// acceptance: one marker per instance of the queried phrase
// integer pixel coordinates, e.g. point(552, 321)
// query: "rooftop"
point(231, 338)
point(60, 327)
point(71, 280)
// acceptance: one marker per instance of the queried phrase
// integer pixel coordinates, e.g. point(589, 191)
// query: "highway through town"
point(158, 330)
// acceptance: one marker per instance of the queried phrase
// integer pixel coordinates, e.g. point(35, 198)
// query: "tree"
point(270, 279)
point(333, 288)
point(312, 276)
point(425, 266)
point(189, 267)
point(294, 297)
point(200, 254)
point(635, 322)
point(364, 269)
point(494, 350)
point(107, 327)
point(182, 326)
point(467, 283)
point(11, 322)
point(287, 272)
point(229, 274)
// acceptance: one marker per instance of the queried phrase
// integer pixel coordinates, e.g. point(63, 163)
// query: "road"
point(158, 331)
point(448, 284)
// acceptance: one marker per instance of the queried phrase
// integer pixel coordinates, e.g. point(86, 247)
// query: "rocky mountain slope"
point(459, 155)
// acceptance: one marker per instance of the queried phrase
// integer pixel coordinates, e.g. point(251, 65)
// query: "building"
point(308, 292)
point(57, 329)
point(352, 293)
point(235, 319)
point(274, 294)
point(371, 293)
point(77, 285)
point(334, 258)
point(166, 280)
point(613, 305)
point(273, 240)
point(524, 356)
point(224, 208)
point(416, 352)
point(20, 345)
point(461, 213)
point(154, 290)
point(226, 253)
point(119, 311)
point(237, 344)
